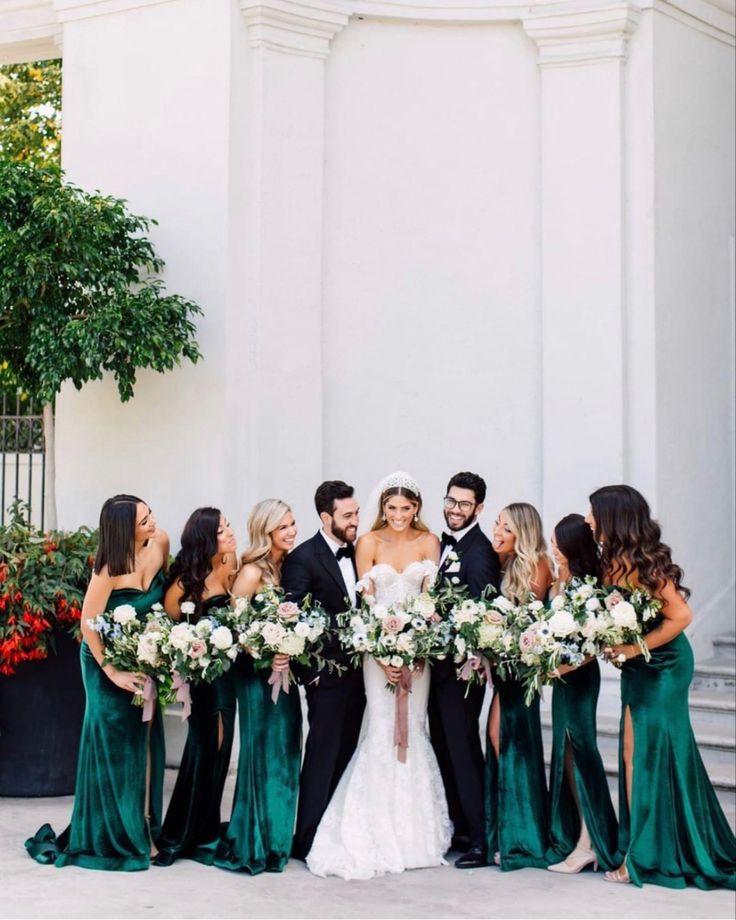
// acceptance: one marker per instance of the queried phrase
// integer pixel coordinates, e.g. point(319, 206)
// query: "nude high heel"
point(576, 862)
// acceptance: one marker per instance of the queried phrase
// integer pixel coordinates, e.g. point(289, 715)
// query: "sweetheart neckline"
point(396, 571)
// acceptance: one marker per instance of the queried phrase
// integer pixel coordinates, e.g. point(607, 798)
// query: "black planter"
point(41, 712)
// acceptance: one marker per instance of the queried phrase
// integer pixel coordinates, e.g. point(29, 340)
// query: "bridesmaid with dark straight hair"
point(583, 827)
point(117, 800)
point(672, 828)
point(202, 574)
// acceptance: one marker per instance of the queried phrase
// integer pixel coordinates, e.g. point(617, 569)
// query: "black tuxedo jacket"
point(313, 569)
point(479, 563)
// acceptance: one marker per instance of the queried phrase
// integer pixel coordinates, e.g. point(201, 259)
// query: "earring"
point(383, 517)
point(224, 559)
point(416, 518)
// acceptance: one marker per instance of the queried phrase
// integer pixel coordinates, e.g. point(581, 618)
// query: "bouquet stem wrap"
point(149, 698)
point(278, 681)
point(182, 694)
point(401, 718)
point(476, 663)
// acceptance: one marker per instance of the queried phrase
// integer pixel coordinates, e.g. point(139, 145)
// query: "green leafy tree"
point(80, 293)
point(30, 112)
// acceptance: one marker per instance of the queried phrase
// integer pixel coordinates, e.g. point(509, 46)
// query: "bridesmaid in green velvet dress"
point(583, 826)
point(517, 812)
point(258, 837)
point(117, 800)
point(202, 574)
point(672, 829)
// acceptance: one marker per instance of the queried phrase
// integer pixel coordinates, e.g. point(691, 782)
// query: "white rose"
point(124, 614)
point(465, 616)
point(535, 606)
point(405, 644)
point(232, 653)
point(302, 630)
point(240, 604)
point(221, 638)
point(356, 622)
point(562, 623)
point(592, 604)
point(273, 633)
point(624, 615)
point(187, 608)
point(147, 650)
point(558, 602)
point(181, 636)
point(460, 645)
point(396, 661)
point(380, 611)
point(590, 627)
point(203, 629)
point(503, 604)
point(585, 590)
point(425, 605)
point(291, 644)
point(488, 634)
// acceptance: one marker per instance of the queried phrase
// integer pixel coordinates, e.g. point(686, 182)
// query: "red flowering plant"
point(43, 577)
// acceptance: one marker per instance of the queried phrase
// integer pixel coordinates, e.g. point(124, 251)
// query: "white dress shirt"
point(346, 566)
point(458, 535)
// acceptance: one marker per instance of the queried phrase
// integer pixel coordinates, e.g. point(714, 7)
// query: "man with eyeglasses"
point(468, 556)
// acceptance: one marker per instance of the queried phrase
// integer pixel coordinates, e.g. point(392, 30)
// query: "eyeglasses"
point(451, 503)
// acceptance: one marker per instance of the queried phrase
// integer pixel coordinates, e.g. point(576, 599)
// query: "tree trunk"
point(51, 521)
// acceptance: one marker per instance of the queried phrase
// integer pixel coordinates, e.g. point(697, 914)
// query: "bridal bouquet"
point(399, 635)
point(627, 615)
point(268, 625)
point(475, 626)
point(131, 644)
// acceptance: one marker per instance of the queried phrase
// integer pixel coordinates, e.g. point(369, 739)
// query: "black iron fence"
point(22, 457)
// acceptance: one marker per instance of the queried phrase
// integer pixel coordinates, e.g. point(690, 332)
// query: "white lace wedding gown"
point(387, 816)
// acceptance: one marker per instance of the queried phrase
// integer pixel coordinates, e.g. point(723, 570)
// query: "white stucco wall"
point(694, 110)
point(432, 358)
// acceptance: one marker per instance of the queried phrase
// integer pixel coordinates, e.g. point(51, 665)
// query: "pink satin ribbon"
point(278, 681)
point(182, 695)
point(149, 698)
point(467, 669)
point(401, 717)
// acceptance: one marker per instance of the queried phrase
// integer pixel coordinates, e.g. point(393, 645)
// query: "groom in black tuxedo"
point(325, 568)
point(468, 556)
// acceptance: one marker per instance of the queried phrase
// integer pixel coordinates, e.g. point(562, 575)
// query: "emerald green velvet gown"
point(109, 828)
point(191, 827)
point(258, 837)
point(676, 832)
point(574, 701)
point(516, 789)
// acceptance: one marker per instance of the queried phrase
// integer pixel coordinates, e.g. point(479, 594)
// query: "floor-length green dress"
point(574, 701)
point(258, 837)
point(191, 828)
point(516, 789)
point(109, 828)
point(676, 832)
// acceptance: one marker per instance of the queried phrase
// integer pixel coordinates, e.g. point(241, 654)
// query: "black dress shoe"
point(460, 842)
point(473, 859)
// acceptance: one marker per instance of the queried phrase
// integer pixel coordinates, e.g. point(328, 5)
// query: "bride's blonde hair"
point(414, 497)
point(526, 525)
point(263, 520)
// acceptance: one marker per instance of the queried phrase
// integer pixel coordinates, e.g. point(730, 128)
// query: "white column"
point(280, 307)
point(582, 58)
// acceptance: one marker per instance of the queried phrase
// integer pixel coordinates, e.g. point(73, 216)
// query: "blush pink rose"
point(526, 641)
point(197, 648)
point(392, 624)
point(288, 611)
point(493, 616)
point(613, 599)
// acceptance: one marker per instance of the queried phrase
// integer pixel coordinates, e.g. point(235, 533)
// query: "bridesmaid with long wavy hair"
point(202, 574)
point(117, 800)
point(583, 827)
point(516, 787)
point(672, 828)
point(259, 835)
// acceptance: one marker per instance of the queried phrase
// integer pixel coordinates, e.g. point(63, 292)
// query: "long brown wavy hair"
point(414, 497)
point(631, 541)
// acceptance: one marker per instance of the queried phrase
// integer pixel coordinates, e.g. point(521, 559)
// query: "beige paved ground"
point(190, 890)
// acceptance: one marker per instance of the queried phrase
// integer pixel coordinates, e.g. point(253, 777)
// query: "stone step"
point(713, 710)
point(724, 647)
point(715, 673)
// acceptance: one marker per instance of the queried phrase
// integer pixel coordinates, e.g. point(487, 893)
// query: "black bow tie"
point(448, 540)
point(345, 552)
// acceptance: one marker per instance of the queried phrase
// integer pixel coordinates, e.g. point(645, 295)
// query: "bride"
point(389, 814)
